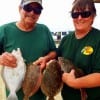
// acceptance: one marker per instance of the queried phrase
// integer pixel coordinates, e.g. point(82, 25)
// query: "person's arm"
point(43, 60)
point(88, 81)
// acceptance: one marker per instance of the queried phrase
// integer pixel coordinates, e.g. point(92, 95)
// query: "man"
point(33, 39)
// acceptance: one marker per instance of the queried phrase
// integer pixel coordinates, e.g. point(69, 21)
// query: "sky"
point(56, 14)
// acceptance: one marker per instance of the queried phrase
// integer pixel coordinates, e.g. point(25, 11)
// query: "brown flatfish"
point(51, 83)
point(32, 80)
point(67, 66)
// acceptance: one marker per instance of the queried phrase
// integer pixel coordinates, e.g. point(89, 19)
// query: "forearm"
point(88, 81)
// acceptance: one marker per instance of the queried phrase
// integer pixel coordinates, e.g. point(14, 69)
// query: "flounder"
point(51, 83)
point(67, 66)
point(13, 77)
point(32, 80)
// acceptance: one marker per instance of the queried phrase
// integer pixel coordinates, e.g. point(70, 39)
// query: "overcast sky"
point(55, 14)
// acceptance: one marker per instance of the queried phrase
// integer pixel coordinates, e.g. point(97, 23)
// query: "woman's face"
point(82, 20)
point(29, 17)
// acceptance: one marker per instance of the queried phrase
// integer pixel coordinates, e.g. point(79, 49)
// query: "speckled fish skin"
point(67, 66)
point(32, 80)
point(13, 77)
point(51, 81)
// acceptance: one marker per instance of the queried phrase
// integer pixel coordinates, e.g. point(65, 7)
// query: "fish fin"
point(12, 96)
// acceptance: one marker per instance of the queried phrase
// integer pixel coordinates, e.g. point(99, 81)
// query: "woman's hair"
point(82, 5)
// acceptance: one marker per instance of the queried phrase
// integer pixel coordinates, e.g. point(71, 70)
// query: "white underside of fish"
point(2, 86)
point(13, 77)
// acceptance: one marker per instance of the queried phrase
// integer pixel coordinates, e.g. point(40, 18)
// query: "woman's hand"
point(7, 59)
point(69, 78)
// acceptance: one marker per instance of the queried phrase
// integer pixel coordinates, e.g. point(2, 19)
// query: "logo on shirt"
point(87, 50)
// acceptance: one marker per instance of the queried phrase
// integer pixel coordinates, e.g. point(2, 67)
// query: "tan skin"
point(26, 23)
point(82, 27)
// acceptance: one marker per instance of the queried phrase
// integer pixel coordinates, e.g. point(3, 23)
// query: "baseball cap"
point(26, 2)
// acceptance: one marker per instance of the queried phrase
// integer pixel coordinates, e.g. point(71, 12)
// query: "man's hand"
point(41, 61)
point(7, 59)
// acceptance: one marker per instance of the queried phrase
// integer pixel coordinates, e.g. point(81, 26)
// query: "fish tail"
point(83, 94)
point(12, 96)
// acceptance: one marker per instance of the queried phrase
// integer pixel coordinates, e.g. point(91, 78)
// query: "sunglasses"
point(36, 10)
point(84, 14)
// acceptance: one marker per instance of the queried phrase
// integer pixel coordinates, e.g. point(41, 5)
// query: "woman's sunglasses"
point(36, 10)
point(84, 14)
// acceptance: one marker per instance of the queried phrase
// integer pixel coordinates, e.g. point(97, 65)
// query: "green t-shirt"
point(85, 54)
point(33, 44)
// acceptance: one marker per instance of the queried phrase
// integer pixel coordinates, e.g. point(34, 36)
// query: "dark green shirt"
point(33, 44)
point(85, 54)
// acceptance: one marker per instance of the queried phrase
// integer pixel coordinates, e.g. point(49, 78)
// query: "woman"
point(82, 47)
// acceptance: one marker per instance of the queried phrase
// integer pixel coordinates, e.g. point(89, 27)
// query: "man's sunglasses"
point(36, 10)
point(84, 14)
